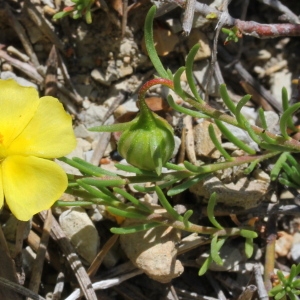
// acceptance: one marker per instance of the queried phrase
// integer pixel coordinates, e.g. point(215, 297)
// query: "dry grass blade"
point(20, 31)
point(41, 22)
point(100, 256)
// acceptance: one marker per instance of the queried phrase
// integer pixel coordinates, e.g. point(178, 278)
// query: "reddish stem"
point(143, 90)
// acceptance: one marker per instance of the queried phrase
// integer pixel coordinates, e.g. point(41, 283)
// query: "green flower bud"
point(148, 143)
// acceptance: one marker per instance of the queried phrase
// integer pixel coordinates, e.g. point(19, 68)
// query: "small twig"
point(58, 287)
point(270, 251)
point(124, 16)
point(188, 17)
point(290, 16)
point(84, 281)
point(250, 28)
point(261, 290)
point(215, 51)
point(26, 68)
point(100, 148)
point(37, 268)
point(105, 284)
point(19, 289)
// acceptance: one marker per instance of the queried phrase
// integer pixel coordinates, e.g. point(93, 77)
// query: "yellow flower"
point(33, 131)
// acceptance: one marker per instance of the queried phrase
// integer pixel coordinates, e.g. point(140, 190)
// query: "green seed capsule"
point(149, 142)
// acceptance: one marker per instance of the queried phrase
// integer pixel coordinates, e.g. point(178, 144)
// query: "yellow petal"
point(1, 190)
point(31, 184)
point(17, 106)
point(49, 134)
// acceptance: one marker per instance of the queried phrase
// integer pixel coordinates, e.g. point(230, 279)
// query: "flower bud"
point(149, 142)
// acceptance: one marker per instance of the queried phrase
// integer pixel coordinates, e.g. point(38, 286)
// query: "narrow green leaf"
point(186, 217)
point(275, 290)
point(215, 248)
point(278, 166)
point(133, 200)
point(249, 247)
point(132, 169)
point(216, 142)
point(296, 283)
point(135, 228)
point(248, 234)
point(61, 14)
point(94, 170)
point(298, 269)
point(285, 119)
point(177, 84)
point(262, 118)
point(282, 278)
point(292, 296)
point(189, 71)
point(281, 295)
point(251, 167)
point(268, 139)
point(102, 183)
point(251, 132)
point(228, 134)
point(150, 46)
point(112, 127)
point(285, 106)
point(85, 167)
point(210, 210)
point(128, 214)
point(205, 266)
point(293, 162)
point(277, 148)
point(186, 184)
point(288, 183)
point(99, 194)
point(174, 167)
point(228, 102)
point(240, 118)
point(184, 110)
point(292, 274)
point(166, 204)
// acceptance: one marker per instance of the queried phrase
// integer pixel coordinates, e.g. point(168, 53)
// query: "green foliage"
point(99, 186)
point(233, 34)
point(79, 9)
point(288, 286)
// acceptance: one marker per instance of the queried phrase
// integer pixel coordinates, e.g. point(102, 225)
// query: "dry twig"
point(72, 258)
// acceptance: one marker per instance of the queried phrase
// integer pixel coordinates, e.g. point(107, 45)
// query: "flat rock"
point(153, 251)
